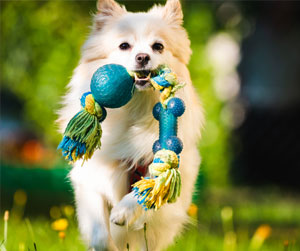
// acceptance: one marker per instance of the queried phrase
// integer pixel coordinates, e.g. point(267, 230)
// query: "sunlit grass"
point(243, 224)
point(20, 236)
point(204, 238)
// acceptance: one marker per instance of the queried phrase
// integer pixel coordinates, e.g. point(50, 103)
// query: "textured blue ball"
point(112, 86)
point(156, 110)
point(156, 146)
point(174, 144)
point(176, 106)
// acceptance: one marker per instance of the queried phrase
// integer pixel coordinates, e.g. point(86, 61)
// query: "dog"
point(108, 213)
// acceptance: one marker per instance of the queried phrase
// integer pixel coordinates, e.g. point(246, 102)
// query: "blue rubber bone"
point(167, 118)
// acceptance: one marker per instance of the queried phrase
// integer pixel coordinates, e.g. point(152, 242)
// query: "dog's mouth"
point(142, 79)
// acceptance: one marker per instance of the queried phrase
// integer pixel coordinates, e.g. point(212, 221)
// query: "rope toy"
point(112, 86)
point(166, 184)
point(83, 133)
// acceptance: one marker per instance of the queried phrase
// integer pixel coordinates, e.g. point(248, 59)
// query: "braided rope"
point(166, 185)
point(83, 133)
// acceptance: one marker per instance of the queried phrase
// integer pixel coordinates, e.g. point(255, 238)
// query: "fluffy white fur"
point(101, 185)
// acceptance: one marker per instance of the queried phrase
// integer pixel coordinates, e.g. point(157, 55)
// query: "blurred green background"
point(244, 67)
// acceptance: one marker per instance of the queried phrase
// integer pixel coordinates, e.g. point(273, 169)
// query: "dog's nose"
point(142, 59)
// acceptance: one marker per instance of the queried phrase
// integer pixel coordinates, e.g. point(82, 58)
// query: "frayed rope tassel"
point(166, 185)
point(83, 133)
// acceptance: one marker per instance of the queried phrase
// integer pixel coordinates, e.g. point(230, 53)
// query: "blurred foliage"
point(200, 23)
point(41, 43)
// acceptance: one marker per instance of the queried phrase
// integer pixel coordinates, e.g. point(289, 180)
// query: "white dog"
point(108, 214)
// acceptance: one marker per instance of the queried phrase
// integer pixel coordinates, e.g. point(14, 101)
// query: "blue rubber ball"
point(112, 86)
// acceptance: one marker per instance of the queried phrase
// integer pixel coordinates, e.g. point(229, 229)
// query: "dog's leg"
point(128, 213)
point(93, 217)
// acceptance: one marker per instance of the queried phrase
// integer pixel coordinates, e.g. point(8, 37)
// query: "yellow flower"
point(62, 235)
point(68, 210)
point(193, 210)
point(60, 224)
point(6, 215)
point(263, 231)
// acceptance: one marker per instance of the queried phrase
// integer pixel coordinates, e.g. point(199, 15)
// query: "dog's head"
point(138, 41)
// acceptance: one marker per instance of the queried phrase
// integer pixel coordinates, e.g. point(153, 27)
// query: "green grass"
point(20, 238)
point(280, 211)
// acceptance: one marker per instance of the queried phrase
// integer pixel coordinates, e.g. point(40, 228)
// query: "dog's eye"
point(157, 47)
point(124, 46)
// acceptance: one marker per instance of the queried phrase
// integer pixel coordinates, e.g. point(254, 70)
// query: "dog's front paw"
point(128, 213)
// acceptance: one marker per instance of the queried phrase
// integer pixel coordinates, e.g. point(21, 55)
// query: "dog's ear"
point(172, 12)
point(107, 9)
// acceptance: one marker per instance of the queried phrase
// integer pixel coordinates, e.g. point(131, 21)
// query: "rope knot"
point(92, 107)
point(163, 160)
point(167, 83)
point(166, 185)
